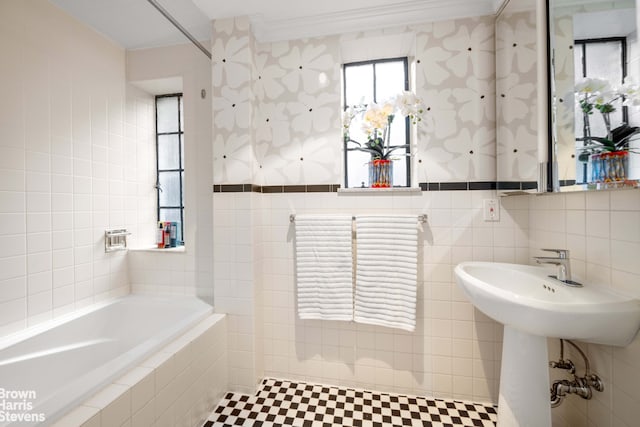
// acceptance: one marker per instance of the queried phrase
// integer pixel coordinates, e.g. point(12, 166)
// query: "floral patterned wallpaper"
point(277, 106)
point(232, 101)
point(516, 87)
point(455, 77)
point(564, 76)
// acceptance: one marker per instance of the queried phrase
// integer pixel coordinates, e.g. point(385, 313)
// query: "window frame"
point(180, 170)
point(374, 62)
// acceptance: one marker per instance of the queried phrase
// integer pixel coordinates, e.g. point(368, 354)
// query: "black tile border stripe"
point(483, 185)
point(332, 188)
point(454, 186)
point(516, 185)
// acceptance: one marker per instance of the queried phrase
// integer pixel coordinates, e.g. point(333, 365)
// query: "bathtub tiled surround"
point(177, 386)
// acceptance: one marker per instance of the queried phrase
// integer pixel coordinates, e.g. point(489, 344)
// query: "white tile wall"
point(70, 128)
point(238, 274)
point(162, 272)
point(455, 350)
point(602, 231)
point(189, 272)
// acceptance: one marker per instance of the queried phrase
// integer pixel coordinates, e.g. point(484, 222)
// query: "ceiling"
point(135, 24)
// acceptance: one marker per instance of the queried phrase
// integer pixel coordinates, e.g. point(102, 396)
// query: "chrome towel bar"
point(422, 219)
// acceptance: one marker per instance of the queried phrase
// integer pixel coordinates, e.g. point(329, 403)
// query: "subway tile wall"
point(455, 350)
point(162, 272)
point(76, 158)
point(187, 272)
point(602, 232)
point(238, 292)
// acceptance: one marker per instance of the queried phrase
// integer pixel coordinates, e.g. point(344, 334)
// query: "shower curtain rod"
point(176, 24)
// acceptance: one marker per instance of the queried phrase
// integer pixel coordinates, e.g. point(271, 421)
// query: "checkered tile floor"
point(285, 403)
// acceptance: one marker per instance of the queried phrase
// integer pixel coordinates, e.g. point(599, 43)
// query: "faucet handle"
point(562, 253)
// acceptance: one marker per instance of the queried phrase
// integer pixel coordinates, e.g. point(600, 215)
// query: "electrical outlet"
point(491, 210)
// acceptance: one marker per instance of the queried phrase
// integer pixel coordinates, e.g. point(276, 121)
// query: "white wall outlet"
point(491, 210)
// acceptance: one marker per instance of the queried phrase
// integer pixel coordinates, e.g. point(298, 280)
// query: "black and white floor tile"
point(286, 403)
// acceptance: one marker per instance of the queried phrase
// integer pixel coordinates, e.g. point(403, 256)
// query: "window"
point(604, 59)
point(376, 81)
point(170, 159)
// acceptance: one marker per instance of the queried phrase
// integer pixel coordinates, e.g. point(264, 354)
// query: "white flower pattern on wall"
point(473, 154)
point(232, 143)
point(518, 95)
point(318, 148)
point(233, 109)
point(433, 60)
point(231, 158)
point(474, 48)
point(519, 34)
point(516, 81)
point(272, 124)
point(312, 114)
point(517, 155)
point(296, 87)
point(461, 104)
point(268, 78)
point(230, 56)
point(280, 166)
point(477, 100)
point(307, 110)
point(307, 64)
point(442, 117)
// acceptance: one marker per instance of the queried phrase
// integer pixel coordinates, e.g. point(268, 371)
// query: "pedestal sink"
point(532, 307)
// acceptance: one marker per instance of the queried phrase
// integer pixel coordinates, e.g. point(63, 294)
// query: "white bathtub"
point(57, 367)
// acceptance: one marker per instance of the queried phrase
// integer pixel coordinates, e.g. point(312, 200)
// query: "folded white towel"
point(324, 267)
point(386, 271)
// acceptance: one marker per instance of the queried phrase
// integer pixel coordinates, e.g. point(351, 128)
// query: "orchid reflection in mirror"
point(597, 94)
point(607, 156)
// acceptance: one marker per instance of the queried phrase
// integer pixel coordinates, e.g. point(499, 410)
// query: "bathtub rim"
point(41, 327)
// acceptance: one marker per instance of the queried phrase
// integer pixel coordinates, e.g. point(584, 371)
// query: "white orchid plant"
point(376, 123)
point(597, 94)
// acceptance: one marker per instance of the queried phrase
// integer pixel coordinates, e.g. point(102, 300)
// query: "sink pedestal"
point(524, 381)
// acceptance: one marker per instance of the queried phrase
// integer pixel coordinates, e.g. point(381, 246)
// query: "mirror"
point(594, 49)
point(516, 96)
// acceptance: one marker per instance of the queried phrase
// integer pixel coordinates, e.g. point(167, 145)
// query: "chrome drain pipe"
point(579, 385)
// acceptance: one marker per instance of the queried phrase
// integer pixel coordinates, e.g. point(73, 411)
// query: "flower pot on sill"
point(381, 173)
point(609, 167)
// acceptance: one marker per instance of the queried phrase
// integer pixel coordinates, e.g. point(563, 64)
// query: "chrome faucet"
point(564, 265)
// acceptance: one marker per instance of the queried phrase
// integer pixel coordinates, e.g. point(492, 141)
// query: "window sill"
point(358, 190)
point(178, 249)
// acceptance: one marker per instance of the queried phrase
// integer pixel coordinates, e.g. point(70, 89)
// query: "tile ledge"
point(178, 249)
point(357, 190)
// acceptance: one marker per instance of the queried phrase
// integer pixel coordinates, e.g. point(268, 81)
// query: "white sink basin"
point(525, 298)
point(532, 307)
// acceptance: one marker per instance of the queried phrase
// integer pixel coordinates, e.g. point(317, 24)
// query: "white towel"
point(386, 271)
point(324, 267)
